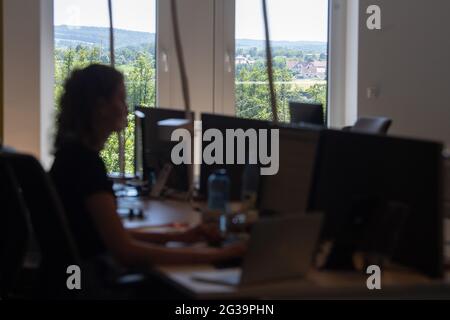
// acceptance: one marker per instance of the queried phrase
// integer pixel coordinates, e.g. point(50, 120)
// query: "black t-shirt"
point(79, 172)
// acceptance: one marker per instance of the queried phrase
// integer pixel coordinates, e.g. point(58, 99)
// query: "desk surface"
point(317, 285)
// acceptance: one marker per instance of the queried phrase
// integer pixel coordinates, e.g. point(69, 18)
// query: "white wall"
point(409, 61)
point(28, 76)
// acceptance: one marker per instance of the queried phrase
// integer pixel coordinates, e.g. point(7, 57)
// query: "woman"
point(92, 107)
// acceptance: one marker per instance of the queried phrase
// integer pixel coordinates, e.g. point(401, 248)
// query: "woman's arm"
point(156, 237)
point(132, 252)
point(202, 232)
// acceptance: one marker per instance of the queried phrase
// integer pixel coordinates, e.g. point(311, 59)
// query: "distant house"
point(315, 69)
point(320, 69)
point(308, 70)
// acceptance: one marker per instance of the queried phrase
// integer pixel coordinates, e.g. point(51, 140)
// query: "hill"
point(69, 36)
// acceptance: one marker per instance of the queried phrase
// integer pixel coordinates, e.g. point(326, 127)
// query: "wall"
point(409, 62)
point(28, 76)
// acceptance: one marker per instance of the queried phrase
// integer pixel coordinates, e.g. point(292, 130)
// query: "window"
point(82, 38)
point(299, 35)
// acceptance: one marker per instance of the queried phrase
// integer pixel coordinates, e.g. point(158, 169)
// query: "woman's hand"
point(203, 232)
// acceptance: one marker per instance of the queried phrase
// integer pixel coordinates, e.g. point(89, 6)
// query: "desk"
point(322, 285)
point(318, 285)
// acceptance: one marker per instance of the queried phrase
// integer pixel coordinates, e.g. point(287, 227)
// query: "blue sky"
point(291, 20)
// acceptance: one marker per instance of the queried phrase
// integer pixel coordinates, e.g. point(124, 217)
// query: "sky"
point(290, 20)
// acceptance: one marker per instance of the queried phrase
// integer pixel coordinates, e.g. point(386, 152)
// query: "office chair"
point(374, 125)
point(307, 113)
point(100, 279)
point(37, 201)
point(15, 234)
point(4, 148)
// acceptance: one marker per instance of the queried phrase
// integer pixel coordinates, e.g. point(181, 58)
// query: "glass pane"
point(82, 38)
point(299, 34)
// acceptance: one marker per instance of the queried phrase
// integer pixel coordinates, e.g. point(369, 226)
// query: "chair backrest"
point(15, 231)
point(307, 113)
point(375, 125)
point(57, 246)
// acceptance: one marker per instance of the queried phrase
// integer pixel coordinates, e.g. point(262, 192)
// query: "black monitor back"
point(234, 171)
point(392, 183)
point(156, 151)
point(308, 113)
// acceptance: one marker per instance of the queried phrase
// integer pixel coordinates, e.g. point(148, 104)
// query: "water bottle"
point(218, 197)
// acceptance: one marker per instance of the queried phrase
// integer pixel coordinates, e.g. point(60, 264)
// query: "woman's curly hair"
point(82, 91)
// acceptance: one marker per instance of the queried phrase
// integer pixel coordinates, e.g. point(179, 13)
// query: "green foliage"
point(110, 154)
point(253, 96)
point(141, 82)
point(138, 65)
point(317, 93)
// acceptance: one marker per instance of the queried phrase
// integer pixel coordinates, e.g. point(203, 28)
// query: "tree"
point(317, 93)
point(141, 82)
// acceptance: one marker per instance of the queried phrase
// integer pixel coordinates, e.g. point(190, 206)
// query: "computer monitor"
point(307, 113)
point(154, 151)
point(381, 195)
point(234, 171)
point(287, 192)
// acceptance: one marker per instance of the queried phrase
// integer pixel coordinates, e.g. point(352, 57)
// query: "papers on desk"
point(165, 228)
point(159, 229)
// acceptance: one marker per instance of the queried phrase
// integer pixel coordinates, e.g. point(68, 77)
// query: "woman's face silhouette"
point(113, 113)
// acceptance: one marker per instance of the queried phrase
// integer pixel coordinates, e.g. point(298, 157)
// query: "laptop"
point(279, 249)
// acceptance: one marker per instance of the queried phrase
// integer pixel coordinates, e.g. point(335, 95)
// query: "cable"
point(273, 96)
point(184, 86)
point(180, 58)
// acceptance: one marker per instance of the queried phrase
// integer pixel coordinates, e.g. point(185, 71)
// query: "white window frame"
point(196, 20)
point(342, 60)
point(210, 64)
point(224, 53)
